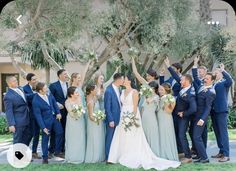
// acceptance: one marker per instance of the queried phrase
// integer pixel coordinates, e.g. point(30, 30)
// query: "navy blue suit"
point(205, 98)
point(35, 129)
point(112, 111)
point(45, 115)
point(174, 81)
point(219, 113)
point(17, 114)
point(186, 103)
point(56, 90)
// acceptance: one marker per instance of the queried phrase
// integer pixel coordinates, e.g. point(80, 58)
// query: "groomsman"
point(17, 112)
point(205, 97)
point(47, 114)
point(186, 107)
point(175, 70)
point(59, 91)
point(219, 114)
point(35, 130)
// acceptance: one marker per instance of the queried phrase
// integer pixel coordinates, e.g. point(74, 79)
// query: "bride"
point(130, 147)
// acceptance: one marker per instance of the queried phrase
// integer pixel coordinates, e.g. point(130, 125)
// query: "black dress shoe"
point(197, 160)
point(205, 161)
point(45, 161)
point(195, 157)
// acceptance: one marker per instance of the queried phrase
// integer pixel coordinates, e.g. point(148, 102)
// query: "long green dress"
point(75, 141)
point(150, 124)
point(95, 150)
point(168, 147)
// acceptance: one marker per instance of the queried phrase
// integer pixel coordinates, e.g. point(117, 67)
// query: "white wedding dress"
point(131, 148)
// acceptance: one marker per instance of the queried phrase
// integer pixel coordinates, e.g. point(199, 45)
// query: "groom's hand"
point(112, 124)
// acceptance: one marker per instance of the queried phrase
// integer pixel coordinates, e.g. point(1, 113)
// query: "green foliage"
point(3, 124)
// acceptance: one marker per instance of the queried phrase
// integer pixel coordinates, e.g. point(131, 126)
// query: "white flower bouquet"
point(169, 103)
point(99, 116)
point(129, 120)
point(77, 111)
point(146, 91)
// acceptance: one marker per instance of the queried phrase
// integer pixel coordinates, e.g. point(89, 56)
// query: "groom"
point(112, 109)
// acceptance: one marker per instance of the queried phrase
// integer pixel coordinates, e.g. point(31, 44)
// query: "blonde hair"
point(73, 75)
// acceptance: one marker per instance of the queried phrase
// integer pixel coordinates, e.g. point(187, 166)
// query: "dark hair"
point(213, 77)
point(39, 86)
point(167, 88)
point(71, 91)
point(189, 78)
point(29, 76)
point(178, 66)
point(90, 88)
point(152, 73)
point(131, 78)
point(117, 76)
point(59, 72)
point(155, 85)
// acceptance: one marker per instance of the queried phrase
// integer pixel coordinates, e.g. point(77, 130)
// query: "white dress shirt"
point(64, 88)
point(184, 90)
point(20, 92)
point(117, 92)
point(45, 98)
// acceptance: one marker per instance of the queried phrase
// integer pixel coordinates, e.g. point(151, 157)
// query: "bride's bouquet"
point(77, 111)
point(146, 91)
point(99, 116)
point(129, 120)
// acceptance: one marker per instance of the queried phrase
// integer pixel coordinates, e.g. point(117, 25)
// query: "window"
point(220, 15)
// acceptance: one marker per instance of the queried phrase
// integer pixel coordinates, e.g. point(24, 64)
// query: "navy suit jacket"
point(30, 95)
point(44, 113)
point(112, 105)
point(220, 104)
point(205, 98)
point(16, 109)
point(186, 103)
point(176, 87)
point(56, 90)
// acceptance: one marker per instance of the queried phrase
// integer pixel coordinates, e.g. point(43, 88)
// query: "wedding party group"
point(131, 120)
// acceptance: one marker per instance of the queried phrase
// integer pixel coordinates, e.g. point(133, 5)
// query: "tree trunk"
point(47, 72)
point(205, 12)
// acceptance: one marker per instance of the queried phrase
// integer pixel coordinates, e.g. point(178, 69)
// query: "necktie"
point(20, 93)
point(64, 88)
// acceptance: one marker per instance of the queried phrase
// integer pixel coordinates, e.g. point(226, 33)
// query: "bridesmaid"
point(168, 145)
point(95, 150)
point(151, 75)
point(149, 119)
point(75, 129)
point(101, 87)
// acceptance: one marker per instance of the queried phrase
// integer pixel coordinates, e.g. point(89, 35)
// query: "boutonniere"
point(185, 94)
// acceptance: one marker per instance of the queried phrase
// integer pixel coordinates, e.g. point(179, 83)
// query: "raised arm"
point(172, 72)
point(228, 79)
point(107, 83)
point(84, 73)
point(137, 75)
point(195, 73)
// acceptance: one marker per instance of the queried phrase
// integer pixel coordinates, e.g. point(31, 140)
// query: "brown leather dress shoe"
point(186, 160)
point(45, 161)
point(218, 156)
point(36, 156)
point(60, 155)
point(224, 159)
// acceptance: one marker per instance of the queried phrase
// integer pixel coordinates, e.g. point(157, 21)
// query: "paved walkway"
point(211, 150)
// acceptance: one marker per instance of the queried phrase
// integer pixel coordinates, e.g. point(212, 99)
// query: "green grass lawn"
point(102, 167)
